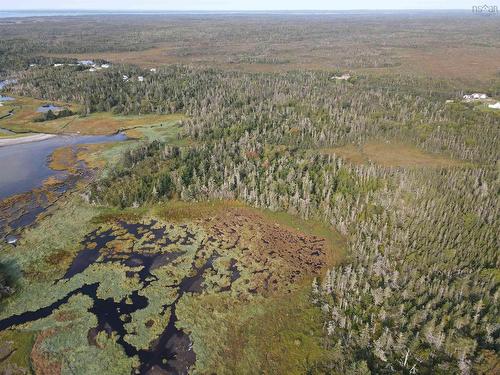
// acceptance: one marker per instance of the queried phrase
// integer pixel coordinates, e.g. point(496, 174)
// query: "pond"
point(6, 98)
point(48, 107)
point(24, 166)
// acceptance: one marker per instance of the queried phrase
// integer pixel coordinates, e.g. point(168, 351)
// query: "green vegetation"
point(49, 115)
point(278, 334)
point(72, 119)
point(15, 349)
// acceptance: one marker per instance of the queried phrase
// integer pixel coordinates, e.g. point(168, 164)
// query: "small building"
point(152, 70)
point(58, 65)
point(92, 69)
point(475, 96)
point(86, 62)
point(105, 66)
point(125, 78)
point(494, 106)
point(140, 79)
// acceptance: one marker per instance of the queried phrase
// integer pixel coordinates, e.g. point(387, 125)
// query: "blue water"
point(42, 13)
point(48, 107)
point(6, 98)
point(24, 167)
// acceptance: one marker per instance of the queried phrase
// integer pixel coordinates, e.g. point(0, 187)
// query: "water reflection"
point(24, 167)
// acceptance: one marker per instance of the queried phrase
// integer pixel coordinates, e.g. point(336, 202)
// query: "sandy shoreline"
point(27, 139)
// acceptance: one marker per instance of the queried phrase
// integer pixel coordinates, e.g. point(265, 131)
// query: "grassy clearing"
point(182, 211)
point(107, 123)
point(25, 108)
point(277, 335)
point(167, 131)
point(391, 154)
point(171, 211)
point(20, 343)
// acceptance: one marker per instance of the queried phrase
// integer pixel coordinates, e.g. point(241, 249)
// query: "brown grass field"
point(391, 154)
point(468, 63)
point(425, 45)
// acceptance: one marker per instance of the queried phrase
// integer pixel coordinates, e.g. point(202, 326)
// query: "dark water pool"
point(24, 167)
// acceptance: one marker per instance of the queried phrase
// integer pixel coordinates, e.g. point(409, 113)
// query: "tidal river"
point(24, 167)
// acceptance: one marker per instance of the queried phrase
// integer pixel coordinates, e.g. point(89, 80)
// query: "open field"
point(24, 113)
point(459, 62)
point(392, 154)
point(409, 44)
point(466, 63)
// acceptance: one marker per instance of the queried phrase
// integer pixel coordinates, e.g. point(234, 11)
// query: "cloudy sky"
point(241, 4)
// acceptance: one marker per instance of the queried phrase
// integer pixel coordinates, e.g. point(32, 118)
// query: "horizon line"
point(225, 10)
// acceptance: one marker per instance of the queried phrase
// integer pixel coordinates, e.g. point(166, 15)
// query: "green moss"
point(60, 232)
point(275, 335)
point(21, 343)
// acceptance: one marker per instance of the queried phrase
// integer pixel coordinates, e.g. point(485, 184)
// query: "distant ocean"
point(62, 13)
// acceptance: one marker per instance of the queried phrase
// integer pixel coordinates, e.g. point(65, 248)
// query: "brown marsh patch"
point(63, 159)
point(280, 255)
point(42, 362)
point(391, 154)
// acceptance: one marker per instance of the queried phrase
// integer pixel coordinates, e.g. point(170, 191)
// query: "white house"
point(494, 106)
point(152, 70)
point(125, 78)
point(105, 66)
point(475, 96)
point(140, 79)
point(92, 69)
point(86, 62)
point(57, 65)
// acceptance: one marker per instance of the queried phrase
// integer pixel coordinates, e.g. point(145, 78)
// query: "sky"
point(241, 4)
